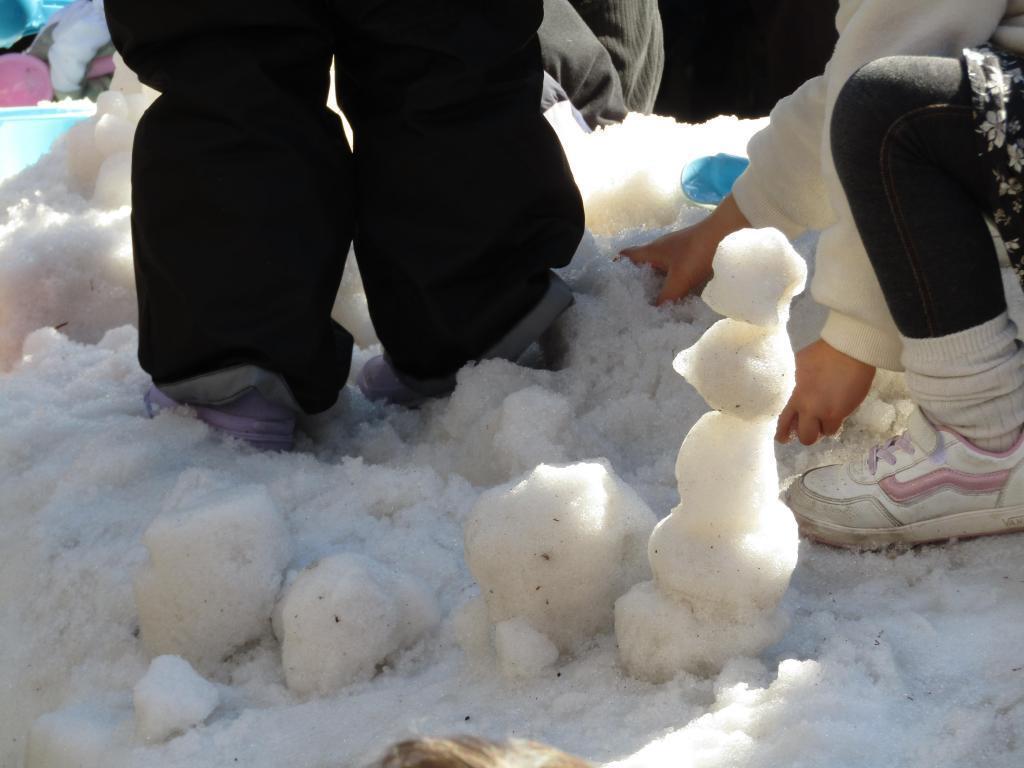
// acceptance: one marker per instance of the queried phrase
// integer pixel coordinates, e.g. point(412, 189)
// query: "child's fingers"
point(808, 429)
point(786, 423)
point(645, 254)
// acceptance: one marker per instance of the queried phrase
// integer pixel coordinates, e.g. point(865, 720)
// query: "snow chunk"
point(345, 616)
point(78, 736)
point(757, 273)
point(213, 575)
point(522, 650)
point(660, 635)
point(557, 547)
point(171, 698)
point(742, 369)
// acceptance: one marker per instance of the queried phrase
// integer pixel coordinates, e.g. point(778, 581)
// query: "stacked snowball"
point(551, 553)
point(100, 149)
point(724, 557)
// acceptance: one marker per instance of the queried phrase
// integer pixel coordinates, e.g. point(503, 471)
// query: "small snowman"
point(723, 558)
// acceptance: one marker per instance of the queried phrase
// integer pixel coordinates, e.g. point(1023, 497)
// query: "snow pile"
point(628, 174)
point(553, 552)
point(882, 664)
point(723, 558)
point(344, 617)
point(213, 575)
point(171, 698)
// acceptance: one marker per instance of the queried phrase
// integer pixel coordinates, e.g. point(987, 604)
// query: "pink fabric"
point(902, 492)
point(24, 80)
point(100, 67)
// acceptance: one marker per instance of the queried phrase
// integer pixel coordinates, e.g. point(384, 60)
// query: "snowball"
point(113, 103)
point(171, 698)
point(726, 472)
point(115, 133)
point(77, 737)
point(522, 650)
point(757, 273)
point(557, 548)
point(344, 617)
point(742, 369)
point(114, 181)
point(722, 572)
point(213, 575)
point(659, 636)
point(83, 157)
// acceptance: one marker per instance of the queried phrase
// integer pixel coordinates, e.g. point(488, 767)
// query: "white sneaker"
point(925, 485)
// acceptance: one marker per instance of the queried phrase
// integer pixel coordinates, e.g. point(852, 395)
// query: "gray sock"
point(971, 381)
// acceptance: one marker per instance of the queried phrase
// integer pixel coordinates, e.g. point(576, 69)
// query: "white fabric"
point(80, 31)
point(791, 183)
point(971, 381)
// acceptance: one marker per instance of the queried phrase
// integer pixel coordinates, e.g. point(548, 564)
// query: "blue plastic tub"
point(707, 180)
point(27, 133)
point(19, 18)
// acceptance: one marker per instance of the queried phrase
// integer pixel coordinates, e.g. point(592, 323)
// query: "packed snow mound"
point(213, 575)
point(557, 548)
point(659, 635)
point(740, 369)
point(344, 617)
point(78, 736)
point(171, 698)
point(757, 273)
point(522, 650)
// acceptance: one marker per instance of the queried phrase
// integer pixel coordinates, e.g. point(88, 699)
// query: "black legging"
point(904, 144)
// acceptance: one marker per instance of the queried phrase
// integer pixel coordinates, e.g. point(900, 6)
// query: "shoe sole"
point(963, 525)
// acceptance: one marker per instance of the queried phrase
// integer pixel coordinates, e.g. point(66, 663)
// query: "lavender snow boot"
point(251, 417)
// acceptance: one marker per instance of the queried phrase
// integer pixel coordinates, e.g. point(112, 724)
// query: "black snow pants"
point(246, 196)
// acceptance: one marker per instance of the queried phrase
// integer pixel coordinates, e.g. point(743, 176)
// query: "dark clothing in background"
point(246, 196)
point(906, 150)
point(581, 64)
point(739, 57)
point(606, 54)
point(631, 31)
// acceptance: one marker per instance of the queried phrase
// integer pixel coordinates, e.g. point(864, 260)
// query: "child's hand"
point(685, 256)
point(829, 387)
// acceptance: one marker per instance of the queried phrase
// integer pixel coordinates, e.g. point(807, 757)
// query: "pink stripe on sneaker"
point(902, 492)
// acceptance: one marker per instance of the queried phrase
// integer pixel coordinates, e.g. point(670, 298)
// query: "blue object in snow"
point(706, 180)
point(27, 133)
point(20, 18)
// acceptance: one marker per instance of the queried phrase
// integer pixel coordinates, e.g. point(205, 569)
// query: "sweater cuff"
point(863, 342)
point(759, 209)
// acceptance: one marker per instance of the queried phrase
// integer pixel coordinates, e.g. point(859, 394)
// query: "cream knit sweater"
point(791, 183)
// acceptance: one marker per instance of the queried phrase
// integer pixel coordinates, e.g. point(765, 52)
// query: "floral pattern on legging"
point(997, 81)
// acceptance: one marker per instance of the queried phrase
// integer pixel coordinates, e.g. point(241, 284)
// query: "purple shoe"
point(250, 417)
point(378, 380)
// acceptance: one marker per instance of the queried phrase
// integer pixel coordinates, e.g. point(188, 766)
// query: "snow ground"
point(897, 659)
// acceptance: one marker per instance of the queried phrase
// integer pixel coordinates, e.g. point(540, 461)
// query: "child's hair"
point(471, 752)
